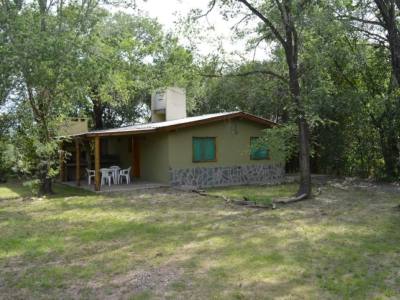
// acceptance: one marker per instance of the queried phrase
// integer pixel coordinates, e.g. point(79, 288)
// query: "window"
point(257, 151)
point(204, 149)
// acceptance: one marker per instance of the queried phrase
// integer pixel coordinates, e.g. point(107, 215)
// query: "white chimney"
point(168, 104)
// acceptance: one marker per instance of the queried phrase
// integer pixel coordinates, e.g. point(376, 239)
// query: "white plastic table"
point(115, 173)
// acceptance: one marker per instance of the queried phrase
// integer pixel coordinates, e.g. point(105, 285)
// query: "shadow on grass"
point(15, 189)
point(315, 249)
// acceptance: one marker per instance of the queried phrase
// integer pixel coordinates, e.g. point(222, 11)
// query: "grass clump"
point(259, 200)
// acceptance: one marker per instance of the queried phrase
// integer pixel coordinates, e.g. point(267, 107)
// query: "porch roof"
point(176, 124)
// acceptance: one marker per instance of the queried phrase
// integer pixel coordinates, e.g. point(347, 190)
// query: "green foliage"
point(68, 59)
point(7, 159)
point(280, 142)
point(42, 51)
point(33, 186)
point(230, 90)
point(78, 59)
point(124, 59)
point(346, 83)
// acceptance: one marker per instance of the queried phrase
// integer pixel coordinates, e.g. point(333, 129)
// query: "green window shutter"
point(197, 149)
point(209, 149)
point(257, 152)
point(203, 149)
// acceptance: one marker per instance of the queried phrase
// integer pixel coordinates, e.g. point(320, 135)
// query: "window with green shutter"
point(204, 149)
point(257, 151)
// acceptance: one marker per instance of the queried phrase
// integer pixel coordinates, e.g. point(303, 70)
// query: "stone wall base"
point(225, 176)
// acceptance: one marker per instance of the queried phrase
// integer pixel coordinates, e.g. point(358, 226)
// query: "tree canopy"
point(331, 78)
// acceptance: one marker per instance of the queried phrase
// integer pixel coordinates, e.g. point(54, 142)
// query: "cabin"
point(176, 150)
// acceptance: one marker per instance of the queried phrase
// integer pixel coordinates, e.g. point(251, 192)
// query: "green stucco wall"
point(154, 157)
point(161, 152)
point(232, 139)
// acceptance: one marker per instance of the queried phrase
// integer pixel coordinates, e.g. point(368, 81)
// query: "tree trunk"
point(304, 135)
point(389, 15)
point(390, 153)
point(304, 158)
point(290, 43)
point(98, 109)
point(46, 186)
point(389, 134)
point(97, 115)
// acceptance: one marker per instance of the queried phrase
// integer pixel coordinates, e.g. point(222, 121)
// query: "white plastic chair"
point(115, 170)
point(90, 175)
point(125, 173)
point(106, 176)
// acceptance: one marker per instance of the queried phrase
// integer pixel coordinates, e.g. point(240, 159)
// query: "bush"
point(33, 185)
point(6, 160)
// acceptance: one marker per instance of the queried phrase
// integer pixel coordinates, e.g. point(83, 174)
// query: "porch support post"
point(62, 163)
point(135, 157)
point(78, 162)
point(97, 163)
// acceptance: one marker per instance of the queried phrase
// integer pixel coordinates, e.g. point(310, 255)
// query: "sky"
point(168, 12)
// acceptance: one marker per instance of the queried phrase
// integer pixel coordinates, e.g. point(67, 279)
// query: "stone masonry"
point(225, 176)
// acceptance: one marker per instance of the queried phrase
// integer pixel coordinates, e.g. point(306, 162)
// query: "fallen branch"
point(248, 203)
point(292, 200)
point(252, 204)
point(200, 192)
point(245, 202)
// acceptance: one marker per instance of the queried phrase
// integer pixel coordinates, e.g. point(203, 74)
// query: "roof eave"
point(239, 114)
point(120, 133)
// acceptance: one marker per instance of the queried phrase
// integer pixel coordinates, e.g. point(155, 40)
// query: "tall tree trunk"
point(390, 153)
point(389, 10)
point(304, 158)
point(389, 13)
point(288, 38)
point(98, 109)
point(97, 114)
point(46, 182)
point(46, 186)
point(304, 135)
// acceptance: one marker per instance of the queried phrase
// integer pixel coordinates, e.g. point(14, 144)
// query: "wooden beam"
point(135, 157)
point(97, 163)
point(78, 162)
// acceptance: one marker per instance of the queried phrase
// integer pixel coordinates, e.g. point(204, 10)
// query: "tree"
point(279, 22)
point(41, 39)
point(123, 59)
point(67, 58)
point(241, 87)
point(377, 21)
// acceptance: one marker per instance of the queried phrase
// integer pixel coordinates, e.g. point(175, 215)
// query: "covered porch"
point(84, 154)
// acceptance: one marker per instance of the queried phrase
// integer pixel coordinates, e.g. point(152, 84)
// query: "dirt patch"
point(127, 285)
point(154, 278)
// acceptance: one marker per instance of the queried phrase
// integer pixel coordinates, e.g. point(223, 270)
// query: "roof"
point(180, 123)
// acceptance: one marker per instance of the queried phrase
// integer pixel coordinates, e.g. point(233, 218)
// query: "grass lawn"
point(343, 244)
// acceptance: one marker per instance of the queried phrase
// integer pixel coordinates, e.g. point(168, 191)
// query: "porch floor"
point(135, 185)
